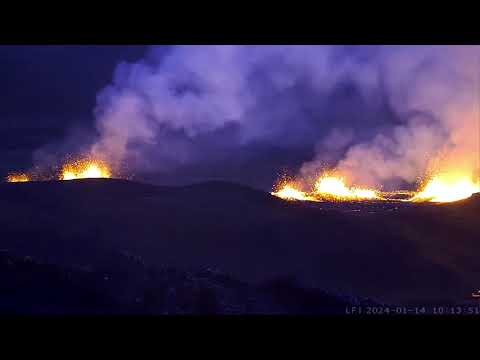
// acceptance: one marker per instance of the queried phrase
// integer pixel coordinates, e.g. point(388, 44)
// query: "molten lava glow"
point(288, 192)
point(18, 178)
point(327, 188)
point(447, 188)
point(85, 169)
point(334, 188)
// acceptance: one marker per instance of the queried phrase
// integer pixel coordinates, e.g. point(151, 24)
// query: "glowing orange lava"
point(85, 169)
point(334, 188)
point(443, 187)
point(327, 187)
point(18, 178)
point(289, 192)
point(447, 188)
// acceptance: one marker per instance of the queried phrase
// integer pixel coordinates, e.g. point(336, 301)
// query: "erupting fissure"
point(85, 168)
point(18, 177)
point(441, 188)
point(326, 187)
point(334, 188)
point(447, 188)
point(289, 192)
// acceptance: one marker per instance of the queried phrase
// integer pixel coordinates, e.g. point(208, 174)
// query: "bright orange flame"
point(18, 178)
point(327, 188)
point(447, 188)
point(334, 188)
point(85, 169)
point(288, 192)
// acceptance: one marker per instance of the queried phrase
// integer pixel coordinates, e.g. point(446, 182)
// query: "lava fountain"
point(85, 169)
point(447, 188)
point(289, 192)
point(334, 188)
point(18, 177)
point(327, 187)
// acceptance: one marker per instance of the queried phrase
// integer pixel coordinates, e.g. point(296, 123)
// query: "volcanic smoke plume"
point(379, 116)
point(436, 93)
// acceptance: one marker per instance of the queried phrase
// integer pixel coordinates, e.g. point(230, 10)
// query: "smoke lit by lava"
point(161, 114)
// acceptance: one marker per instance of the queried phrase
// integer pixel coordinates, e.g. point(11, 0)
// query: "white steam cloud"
point(155, 110)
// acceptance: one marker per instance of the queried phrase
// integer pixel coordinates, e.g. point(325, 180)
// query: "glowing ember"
point(18, 178)
point(288, 192)
point(85, 169)
point(334, 188)
point(447, 188)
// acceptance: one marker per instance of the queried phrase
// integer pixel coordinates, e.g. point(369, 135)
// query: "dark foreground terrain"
point(391, 252)
point(129, 287)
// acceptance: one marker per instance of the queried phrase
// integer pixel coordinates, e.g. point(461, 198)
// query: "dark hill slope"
point(393, 253)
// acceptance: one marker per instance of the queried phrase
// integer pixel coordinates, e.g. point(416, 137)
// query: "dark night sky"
point(45, 90)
